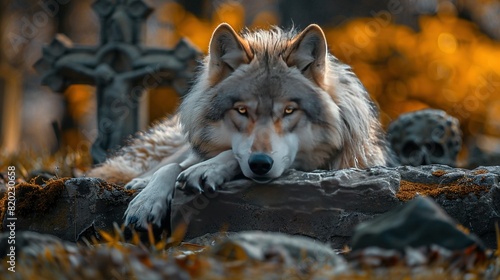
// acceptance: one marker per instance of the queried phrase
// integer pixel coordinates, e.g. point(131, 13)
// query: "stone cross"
point(120, 68)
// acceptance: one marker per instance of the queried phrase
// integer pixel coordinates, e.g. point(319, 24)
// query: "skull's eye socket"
point(289, 110)
point(242, 110)
point(435, 149)
point(409, 148)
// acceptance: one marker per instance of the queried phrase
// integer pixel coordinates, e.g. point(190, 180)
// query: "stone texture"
point(86, 206)
point(324, 205)
point(478, 213)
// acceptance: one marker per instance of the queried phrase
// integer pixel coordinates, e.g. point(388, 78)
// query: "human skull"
point(426, 137)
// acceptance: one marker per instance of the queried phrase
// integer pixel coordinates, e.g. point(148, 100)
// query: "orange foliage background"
point(449, 64)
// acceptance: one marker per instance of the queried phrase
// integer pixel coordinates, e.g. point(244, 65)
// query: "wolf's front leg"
point(182, 155)
point(151, 204)
point(210, 174)
point(138, 183)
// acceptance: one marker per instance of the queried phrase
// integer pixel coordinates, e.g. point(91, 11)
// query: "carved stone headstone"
point(120, 68)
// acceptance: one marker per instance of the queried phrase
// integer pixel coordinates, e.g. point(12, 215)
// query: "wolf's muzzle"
point(260, 163)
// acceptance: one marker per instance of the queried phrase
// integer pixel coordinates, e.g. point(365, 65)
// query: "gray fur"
point(353, 140)
point(237, 108)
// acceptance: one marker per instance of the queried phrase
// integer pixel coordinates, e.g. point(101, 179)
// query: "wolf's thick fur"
point(264, 102)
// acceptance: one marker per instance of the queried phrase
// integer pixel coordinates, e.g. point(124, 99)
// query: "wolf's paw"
point(152, 204)
point(146, 208)
point(137, 184)
point(203, 177)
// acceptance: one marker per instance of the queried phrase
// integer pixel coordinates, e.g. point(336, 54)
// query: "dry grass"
point(116, 258)
point(64, 163)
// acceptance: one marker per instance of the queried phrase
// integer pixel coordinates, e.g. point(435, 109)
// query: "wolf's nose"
point(260, 164)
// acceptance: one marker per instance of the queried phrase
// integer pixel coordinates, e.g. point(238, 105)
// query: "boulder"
point(418, 223)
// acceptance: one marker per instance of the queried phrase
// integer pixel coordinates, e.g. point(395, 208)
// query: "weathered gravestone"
point(120, 68)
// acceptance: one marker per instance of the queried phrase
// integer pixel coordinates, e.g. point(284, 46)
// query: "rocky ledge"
point(325, 205)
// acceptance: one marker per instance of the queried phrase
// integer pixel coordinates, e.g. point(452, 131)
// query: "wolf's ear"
point(308, 52)
point(227, 51)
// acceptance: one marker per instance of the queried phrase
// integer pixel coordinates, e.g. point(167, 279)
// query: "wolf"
point(264, 102)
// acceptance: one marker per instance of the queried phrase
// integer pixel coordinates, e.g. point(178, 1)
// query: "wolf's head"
point(270, 96)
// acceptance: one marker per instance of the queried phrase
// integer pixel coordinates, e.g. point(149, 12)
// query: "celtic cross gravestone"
point(120, 68)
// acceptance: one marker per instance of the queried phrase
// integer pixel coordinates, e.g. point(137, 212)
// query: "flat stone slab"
point(325, 205)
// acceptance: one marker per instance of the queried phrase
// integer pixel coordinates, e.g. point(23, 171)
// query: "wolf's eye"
point(242, 110)
point(289, 110)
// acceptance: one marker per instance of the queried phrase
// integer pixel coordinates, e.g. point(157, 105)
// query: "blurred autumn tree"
point(447, 64)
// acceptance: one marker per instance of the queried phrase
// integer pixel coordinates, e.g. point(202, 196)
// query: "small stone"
point(262, 246)
point(421, 222)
